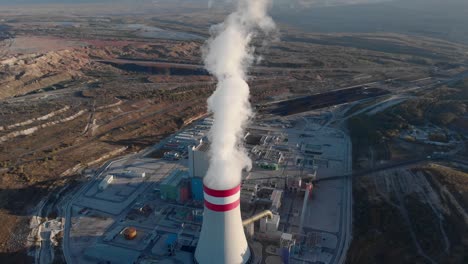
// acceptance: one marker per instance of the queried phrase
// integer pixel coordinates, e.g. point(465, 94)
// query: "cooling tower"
point(222, 238)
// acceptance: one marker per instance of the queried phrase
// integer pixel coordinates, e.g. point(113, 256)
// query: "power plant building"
point(105, 182)
point(133, 174)
point(199, 160)
point(196, 188)
point(197, 215)
point(172, 155)
point(171, 242)
point(173, 185)
point(269, 224)
point(286, 243)
point(275, 198)
point(184, 192)
point(198, 166)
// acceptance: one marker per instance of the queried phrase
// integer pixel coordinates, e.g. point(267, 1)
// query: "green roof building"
point(171, 184)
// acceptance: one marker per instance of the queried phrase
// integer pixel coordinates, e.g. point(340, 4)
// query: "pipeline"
point(266, 213)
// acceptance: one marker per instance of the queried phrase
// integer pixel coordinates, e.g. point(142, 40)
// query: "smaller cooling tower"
point(222, 238)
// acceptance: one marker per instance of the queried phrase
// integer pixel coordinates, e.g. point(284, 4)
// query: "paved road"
point(345, 234)
point(392, 166)
point(44, 95)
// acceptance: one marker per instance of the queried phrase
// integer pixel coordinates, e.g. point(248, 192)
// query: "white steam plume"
point(228, 55)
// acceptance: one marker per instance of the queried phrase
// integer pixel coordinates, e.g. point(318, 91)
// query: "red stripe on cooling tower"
point(222, 207)
point(221, 193)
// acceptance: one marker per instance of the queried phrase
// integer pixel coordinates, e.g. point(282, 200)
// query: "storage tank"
point(130, 233)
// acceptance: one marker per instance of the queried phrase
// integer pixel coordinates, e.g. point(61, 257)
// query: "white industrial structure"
point(287, 240)
point(199, 160)
point(275, 198)
point(308, 190)
point(269, 224)
point(222, 237)
point(105, 182)
point(133, 174)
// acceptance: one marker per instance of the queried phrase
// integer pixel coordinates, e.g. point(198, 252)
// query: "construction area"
point(148, 207)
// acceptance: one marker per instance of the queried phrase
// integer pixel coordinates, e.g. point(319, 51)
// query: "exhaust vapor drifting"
point(227, 55)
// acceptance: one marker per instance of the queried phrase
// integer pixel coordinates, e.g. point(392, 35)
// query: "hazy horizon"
point(413, 17)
